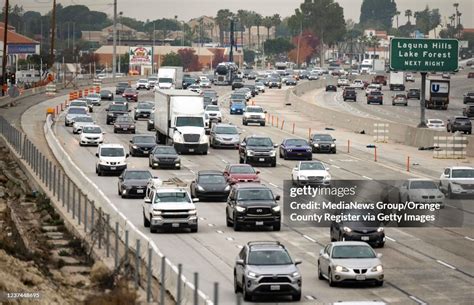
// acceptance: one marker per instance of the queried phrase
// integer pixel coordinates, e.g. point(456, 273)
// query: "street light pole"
point(120, 43)
point(298, 48)
point(5, 41)
point(114, 53)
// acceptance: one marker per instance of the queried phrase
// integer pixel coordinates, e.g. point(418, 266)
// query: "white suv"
point(457, 180)
point(358, 84)
point(111, 159)
point(142, 84)
point(254, 114)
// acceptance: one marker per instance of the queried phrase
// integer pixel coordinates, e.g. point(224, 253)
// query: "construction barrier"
point(86, 92)
point(97, 82)
point(381, 132)
point(73, 95)
point(450, 147)
point(79, 93)
point(51, 89)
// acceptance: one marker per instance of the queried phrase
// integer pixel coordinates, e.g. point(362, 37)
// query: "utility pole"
point(4, 57)
point(299, 40)
point(114, 54)
point(53, 29)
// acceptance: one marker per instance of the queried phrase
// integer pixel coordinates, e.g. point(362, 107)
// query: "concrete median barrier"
point(399, 133)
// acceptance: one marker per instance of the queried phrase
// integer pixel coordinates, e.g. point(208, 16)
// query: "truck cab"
point(168, 205)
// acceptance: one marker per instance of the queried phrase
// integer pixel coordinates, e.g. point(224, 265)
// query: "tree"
point(427, 19)
point(378, 13)
point(242, 16)
point(218, 57)
point(189, 60)
point(171, 59)
point(258, 22)
point(408, 14)
point(277, 46)
point(397, 13)
point(249, 21)
point(276, 22)
point(267, 22)
point(223, 21)
point(249, 56)
point(308, 46)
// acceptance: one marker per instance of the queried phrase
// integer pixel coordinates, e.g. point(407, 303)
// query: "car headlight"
point(110, 114)
point(227, 188)
point(204, 139)
point(135, 147)
point(178, 138)
point(240, 209)
point(302, 177)
point(308, 150)
point(347, 229)
point(333, 145)
point(295, 274)
point(233, 109)
point(192, 212)
point(156, 213)
point(341, 269)
point(316, 145)
point(289, 150)
point(377, 268)
point(200, 188)
point(250, 152)
point(273, 153)
point(132, 126)
point(380, 229)
point(252, 274)
point(276, 208)
point(327, 177)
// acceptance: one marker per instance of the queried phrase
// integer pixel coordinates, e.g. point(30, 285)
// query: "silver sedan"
point(355, 261)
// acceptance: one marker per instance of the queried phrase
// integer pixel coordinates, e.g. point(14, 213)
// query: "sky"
point(187, 9)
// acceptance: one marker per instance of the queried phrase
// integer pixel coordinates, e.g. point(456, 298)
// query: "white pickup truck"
point(168, 205)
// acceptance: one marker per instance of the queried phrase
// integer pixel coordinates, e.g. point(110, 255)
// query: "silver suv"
point(266, 268)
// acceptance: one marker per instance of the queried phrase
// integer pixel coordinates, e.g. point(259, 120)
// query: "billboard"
point(141, 56)
point(21, 48)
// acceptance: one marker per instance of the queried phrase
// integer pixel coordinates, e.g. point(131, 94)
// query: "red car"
point(130, 94)
point(470, 75)
point(235, 173)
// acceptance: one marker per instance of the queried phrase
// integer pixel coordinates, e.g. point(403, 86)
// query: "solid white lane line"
point(211, 224)
point(272, 184)
point(417, 300)
point(309, 297)
point(469, 238)
point(335, 166)
point(309, 238)
point(446, 264)
point(389, 238)
point(368, 178)
point(220, 232)
point(229, 238)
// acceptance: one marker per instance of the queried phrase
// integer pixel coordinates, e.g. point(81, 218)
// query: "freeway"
point(432, 265)
point(409, 115)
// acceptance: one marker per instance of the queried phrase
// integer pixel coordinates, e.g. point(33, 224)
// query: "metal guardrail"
point(103, 223)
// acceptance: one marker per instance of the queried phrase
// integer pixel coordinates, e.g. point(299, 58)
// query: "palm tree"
point(242, 17)
point(397, 13)
point(276, 22)
point(408, 13)
point(249, 22)
point(258, 23)
point(268, 23)
point(223, 20)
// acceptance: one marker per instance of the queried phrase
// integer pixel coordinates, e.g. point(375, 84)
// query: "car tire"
point(274, 163)
point(244, 123)
point(146, 222)
point(237, 226)
point(237, 288)
point(449, 193)
point(379, 283)
point(277, 227)
point(296, 297)
point(194, 229)
point(381, 244)
point(320, 275)
point(247, 297)
point(262, 124)
point(331, 282)
point(227, 220)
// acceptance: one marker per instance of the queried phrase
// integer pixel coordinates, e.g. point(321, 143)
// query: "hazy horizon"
point(153, 9)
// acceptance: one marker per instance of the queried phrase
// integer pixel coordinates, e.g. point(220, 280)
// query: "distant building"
point(18, 46)
point(101, 37)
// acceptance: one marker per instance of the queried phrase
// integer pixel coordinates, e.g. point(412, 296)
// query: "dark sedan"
point(468, 111)
point(124, 124)
point(291, 81)
point(164, 156)
point(130, 94)
point(150, 124)
point(331, 88)
point(106, 95)
point(413, 93)
point(370, 232)
point(210, 185)
point(468, 97)
point(144, 110)
point(121, 87)
point(142, 145)
point(375, 97)
point(132, 183)
point(322, 143)
point(295, 149)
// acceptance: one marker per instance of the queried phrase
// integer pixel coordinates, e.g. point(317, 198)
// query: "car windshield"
point(211, 179)
point(118, 107)
point(122, 85)
point(462, 120)
point(145, 105)
point(242, 170)
point(94, 95)
point(190, 121)
point(112, 152)
point(376, 93)
point(91, 130)
point(296, 142)
point(463, 173)
point(189, 80)
point(165, 80)
point(435, 121)
point(312, 166)
point(137, 175)
point(78, 104)
point(423, 185)
point(322, 137)
point(255, 109)
point(152, 79)
point(259, 84)
point(210, 94)
point(269, 257)
point(165, 150)
point(144, 139)
point(237, 103)
point(175, 197)
point(470, 93)
point(83, 119)
point(212, 108)
point(142, 81)
point(414, 90)
point(77, 110)
point(129, 90)
point(353, 251)
point(254, 194)
point(265, 142)
point(105, 92)
point(124, 119)
point(226, 130)
point(238, 96)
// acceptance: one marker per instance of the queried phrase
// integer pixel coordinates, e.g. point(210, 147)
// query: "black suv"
point(141, 145)
point(468, 97)
point(322, 143)
point(188, 81)
point(144, 110)
point(459, 123)
point(257, 150)
point(413, 93)
point(121, 88)
point(237, 83)
point(468, 111)
point(251, 204)
point(349, 94)
point(114, 111)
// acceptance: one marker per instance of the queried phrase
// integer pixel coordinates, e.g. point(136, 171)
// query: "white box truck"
point(179, 119)
point(170, 77)
point(379, 66)
point(397, 81)
point(437, 93)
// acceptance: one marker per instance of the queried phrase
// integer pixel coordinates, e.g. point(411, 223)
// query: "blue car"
point(298, 149)
point(237, 107)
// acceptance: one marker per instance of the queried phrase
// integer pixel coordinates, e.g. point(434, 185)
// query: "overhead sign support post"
point(424, 55)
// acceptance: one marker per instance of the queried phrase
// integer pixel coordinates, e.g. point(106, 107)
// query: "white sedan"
point(80, 122)
point(91, 135)
point(421, 191)
point(310, 173)
point(195, 88)
point(213, 112)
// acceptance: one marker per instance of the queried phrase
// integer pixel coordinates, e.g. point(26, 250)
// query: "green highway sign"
point(424, 55)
